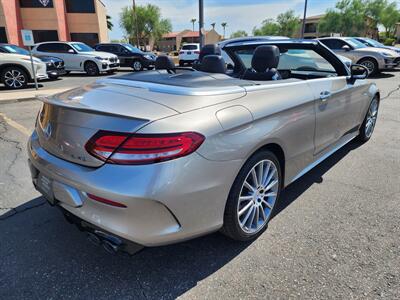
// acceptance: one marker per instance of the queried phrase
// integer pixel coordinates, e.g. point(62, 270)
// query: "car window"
point(189, 47)
point(294, 60)
point(53, 47)
point(334, 44)
point(15, 49)
point(81, 47)
point(132, 49)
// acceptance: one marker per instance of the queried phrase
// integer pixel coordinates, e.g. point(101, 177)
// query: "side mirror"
point(358, 72)
point(71, 51)
point(346, 48)
point(229, 66)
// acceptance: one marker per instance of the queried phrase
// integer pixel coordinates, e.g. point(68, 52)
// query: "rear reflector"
point(106, 201)
point(136, 149)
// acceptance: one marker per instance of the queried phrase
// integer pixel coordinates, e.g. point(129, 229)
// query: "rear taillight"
point(137, 149)
point(181, 52)
point(196, 52)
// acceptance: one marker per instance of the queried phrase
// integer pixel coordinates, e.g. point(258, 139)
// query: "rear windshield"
point(189, 47)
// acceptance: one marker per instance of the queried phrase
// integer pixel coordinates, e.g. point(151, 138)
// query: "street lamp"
point(304, 20)
point(201, 23)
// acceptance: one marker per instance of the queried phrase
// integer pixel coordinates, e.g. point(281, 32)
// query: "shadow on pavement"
point(42, 256)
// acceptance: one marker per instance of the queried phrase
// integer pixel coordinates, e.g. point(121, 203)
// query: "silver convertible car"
point(171, 154)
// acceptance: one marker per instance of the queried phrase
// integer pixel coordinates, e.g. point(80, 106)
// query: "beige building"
point(53, 20)
point(174, 40)
point(311, 28)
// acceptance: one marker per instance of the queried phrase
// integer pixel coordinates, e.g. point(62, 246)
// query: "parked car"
point(79, 57)
point(375, 44)
point(16, 70)
point(374, 59)
point(54, 66)
point(129, 56)
point(168, 155)
point(188, 54)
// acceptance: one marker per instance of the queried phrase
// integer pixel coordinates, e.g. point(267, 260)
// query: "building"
point(174, 40)
point(53, 20)
point(311, 28)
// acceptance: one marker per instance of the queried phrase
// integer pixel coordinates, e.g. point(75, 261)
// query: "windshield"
point(355, 44)
point(81, 47)
point(132, 48)
point(189, 47)
point(15, 49)
point(374, 43)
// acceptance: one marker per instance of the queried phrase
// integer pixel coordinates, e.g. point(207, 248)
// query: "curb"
point(10, 101)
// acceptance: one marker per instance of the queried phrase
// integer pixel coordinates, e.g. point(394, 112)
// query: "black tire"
point(371, 64)
point(137, 66)
point(91, 68)
point(14, 78)
point(53, 77)
point(231, 227)
point(365, 135)
point(181, 63)
point(67, 72)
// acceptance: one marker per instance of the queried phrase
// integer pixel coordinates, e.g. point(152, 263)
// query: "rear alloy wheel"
point(137, 66)
point(14, 78)
point(91, 68)
point(371, 65)
point(368, 126)
point(253, 197)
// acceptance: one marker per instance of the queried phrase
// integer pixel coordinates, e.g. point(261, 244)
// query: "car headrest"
point(213, 64)
point(210, 49)
point(164, 62)
point(265, 57)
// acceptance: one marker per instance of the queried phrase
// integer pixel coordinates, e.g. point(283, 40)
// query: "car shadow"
point(43, 255)
point(382, 75)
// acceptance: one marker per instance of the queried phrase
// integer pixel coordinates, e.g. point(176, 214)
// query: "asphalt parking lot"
point(336, 233)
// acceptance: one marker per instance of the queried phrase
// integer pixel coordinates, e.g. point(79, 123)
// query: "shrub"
point(389, 41)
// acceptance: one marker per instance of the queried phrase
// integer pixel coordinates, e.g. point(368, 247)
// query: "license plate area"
point(189, 52)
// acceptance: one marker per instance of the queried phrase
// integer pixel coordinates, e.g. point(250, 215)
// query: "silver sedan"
point(168, 155)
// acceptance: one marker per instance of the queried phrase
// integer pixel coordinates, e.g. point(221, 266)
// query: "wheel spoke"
point(251, 219)
point(269, 178)
point(245, 198)
point(267, 204)
point(245, 208)
point(267, 168)
point(260, 173)
point(254, 175)
point(257, 216)
point(249, 187)
point(272, 184)
point(264, 217)
point(247, 216)
point(271, 194)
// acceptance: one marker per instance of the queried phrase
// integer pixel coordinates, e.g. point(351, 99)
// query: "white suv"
point(79, 57)
point(189, 53)
point(16, 70)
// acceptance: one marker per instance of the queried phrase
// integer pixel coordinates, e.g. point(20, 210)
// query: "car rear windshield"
point(189, 47)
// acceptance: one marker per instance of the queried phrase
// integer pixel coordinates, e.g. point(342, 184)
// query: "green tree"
point(348, 18)
point(110, 24)
point(268, 27)
point(224, 24)
point(150, 26)
point(374, 9)
point(288, 23)
point(238, 33)
point(390, 15)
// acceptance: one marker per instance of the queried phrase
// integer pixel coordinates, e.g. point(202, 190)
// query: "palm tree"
point(224, 24)
point(213, 25)
point(110, 25)
point(193, 21)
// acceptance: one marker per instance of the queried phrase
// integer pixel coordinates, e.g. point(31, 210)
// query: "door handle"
point(324, 95)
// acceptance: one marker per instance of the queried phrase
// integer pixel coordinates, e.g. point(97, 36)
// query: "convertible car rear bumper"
point(164, 203)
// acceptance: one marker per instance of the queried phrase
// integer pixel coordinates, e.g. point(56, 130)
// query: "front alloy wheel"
point(371, 65)
point(368, 126)
point(137, 66)
point(253, 197)
point(14, 78)
point(91, 69)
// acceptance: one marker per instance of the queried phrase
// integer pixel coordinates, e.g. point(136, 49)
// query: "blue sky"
point(239, 14)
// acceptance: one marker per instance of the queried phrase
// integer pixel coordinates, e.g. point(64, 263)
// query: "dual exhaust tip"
point(109, 243)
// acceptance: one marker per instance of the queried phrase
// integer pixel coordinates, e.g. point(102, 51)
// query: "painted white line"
point(16, 125)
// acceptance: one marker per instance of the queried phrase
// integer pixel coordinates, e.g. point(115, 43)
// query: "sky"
point(239, 14)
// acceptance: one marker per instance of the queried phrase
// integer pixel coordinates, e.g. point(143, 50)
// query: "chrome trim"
point(323, 157)
point(175, 90)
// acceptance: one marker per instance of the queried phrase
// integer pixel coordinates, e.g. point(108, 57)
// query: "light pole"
point(201, 23)
point(304, 20)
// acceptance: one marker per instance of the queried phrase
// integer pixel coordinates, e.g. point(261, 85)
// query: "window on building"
point(45, 35)
point(3, 35)
point(79, 6)
point(88, 38)
point(310, 28)
point(35, 3)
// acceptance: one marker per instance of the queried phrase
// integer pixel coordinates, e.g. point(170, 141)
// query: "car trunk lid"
point(68, 120)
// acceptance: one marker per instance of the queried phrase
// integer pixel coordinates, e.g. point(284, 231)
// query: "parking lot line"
point(16, 125)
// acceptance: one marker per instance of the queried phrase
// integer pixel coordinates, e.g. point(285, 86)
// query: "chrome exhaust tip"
point(110, 247)
point(94, 239)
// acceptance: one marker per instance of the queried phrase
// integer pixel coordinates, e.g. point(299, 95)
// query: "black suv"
point(129, 56)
